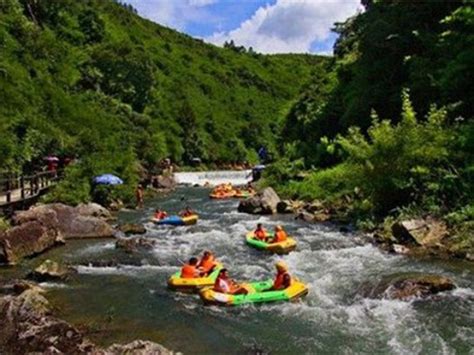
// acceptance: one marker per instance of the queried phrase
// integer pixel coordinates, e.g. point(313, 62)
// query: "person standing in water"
point(139, 196)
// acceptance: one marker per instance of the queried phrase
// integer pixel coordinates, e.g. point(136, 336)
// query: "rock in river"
point(264, 202)
point(51, 270)
point(131, 228)
point(406, 286)
point(131, 245)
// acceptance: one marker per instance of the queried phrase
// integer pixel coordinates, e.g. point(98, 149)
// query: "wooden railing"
point(15, 188)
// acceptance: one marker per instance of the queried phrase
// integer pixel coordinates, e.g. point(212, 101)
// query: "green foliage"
point(92, 79)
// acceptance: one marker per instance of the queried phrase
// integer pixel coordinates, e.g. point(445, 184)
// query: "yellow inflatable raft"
point(177, 283)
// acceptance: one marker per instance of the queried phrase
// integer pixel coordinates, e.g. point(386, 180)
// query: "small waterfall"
point(214, 177)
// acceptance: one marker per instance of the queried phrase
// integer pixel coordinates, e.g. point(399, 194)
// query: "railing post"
point(22, 187)
point(9, 193)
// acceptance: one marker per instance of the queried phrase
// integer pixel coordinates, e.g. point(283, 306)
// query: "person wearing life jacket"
point(282, 278)
point(207, 263)
point(159, 214)
point(186, 212)
point(280, 235)
point(190, 270)
point(224, 284)
point(260, 233)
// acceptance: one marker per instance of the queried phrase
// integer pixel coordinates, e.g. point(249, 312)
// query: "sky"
point(268, 26)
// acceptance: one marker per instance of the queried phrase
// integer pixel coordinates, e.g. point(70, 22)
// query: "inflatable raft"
point(177, 283)
point(279, 248)
point(244, 194)
point(257, 294)
point(177, 220)
point(222, 195)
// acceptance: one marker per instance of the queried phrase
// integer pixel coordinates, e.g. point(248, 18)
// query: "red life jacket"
point(279, 283)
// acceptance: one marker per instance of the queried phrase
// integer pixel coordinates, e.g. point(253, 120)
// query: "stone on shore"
point(28, 327)
point(424, 232)
point(93, 210)
point(70, 222)
point(264, 202)
point(27, 239)
point(138, 347)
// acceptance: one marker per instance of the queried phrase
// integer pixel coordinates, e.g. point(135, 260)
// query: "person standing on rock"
point(139, 196)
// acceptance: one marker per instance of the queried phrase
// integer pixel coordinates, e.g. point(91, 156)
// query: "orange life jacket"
point(279, 282)
point(207, 264)
point(280, 236)
point(260, 234)
point(188, 271)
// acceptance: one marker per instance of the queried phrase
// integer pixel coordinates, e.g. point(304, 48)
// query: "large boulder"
point(27, 239)
point(51, 270)
point(87, 227)
point(424, 232)
point(407, 286)
point(167, 182)
point(93, 210)
point(68, 220)
point(264, 202)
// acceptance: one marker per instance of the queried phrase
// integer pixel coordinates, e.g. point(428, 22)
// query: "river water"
point(130, 300)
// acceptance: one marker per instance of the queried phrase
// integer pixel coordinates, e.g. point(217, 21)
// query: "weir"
point(213, 178)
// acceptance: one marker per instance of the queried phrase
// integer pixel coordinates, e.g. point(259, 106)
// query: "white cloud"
point(174, 13)
point(289, 26)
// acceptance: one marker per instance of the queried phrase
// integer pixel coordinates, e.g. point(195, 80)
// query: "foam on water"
point(334, 315)
point(213, 178)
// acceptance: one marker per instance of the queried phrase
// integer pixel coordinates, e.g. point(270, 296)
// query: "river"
point(129, 301)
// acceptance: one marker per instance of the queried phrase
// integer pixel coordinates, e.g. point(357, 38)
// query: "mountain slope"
point(93, 79)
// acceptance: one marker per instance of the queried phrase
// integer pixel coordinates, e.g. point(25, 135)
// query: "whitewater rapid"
point(334, 318)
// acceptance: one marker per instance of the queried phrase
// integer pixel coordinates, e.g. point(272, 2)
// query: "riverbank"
point(412, 235)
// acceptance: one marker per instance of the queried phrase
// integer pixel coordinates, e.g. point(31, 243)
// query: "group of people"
point(224, 283)
point(199, 268)
point(278, 236)
point(161, 214)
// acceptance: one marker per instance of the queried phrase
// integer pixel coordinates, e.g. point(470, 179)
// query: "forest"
point(93, 81)
point(389, 132)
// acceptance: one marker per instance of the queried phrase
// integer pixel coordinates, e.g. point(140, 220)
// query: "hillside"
point(94, 80)
point(389, 133)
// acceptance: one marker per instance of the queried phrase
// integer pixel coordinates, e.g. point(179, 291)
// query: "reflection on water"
point(126, 298)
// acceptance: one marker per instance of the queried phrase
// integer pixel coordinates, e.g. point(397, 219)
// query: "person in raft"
point(207, 263)
point(190, 270)
point(260, 233)
point(224, 284)
point(159, 214)
point(280, 235)
point(282, 278)
point(186, 212)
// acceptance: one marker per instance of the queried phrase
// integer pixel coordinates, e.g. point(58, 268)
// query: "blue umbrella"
point(108, 179)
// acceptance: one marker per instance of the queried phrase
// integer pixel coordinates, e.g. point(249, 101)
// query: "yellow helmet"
point(281, 265)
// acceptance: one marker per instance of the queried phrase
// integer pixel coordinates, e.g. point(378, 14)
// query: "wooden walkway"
point(17, 192)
